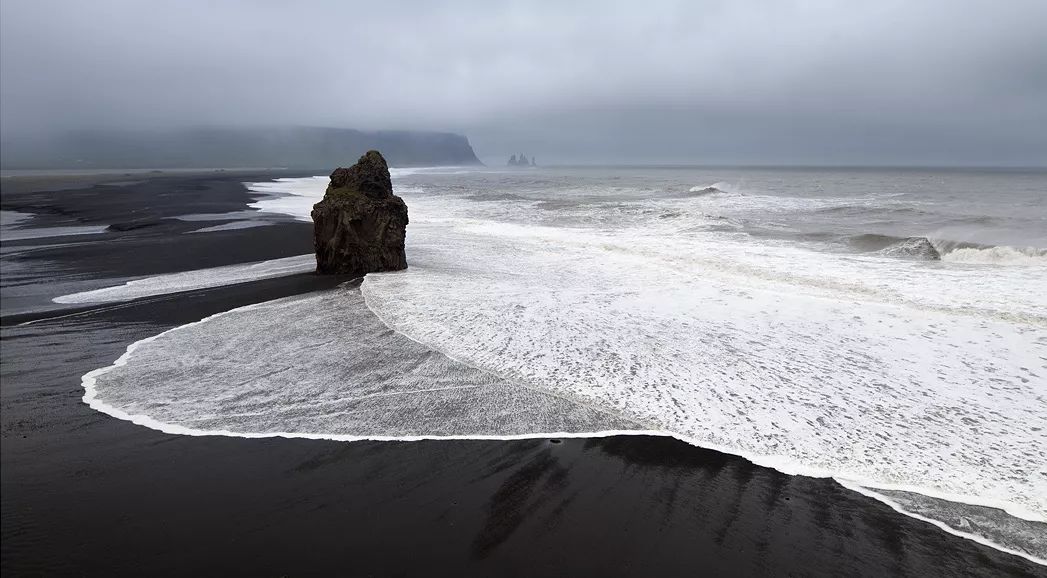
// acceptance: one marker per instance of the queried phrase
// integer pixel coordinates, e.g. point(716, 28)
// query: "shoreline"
point(94, 463)
point(776, 463)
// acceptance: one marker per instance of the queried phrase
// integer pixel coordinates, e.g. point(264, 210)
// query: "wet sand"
point(87, 494)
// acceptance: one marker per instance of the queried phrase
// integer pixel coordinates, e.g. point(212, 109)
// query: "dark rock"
point(370, 175)
point(360, 225)
point(913, 248)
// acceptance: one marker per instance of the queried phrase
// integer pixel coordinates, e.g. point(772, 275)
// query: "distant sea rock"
point(521, 161)
point(913, 248)
point(360, 225)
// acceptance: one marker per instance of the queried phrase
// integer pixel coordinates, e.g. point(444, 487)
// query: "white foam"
point(294, 197)
point(46, 232)
point(865, 384)
point(998, 256)
point(220, 216)
point(196, 279)
point(320, 366)
point(888, 375)
point(232, 226)
point(12, 218)
point(717, 186)
point(899, 375)
point(398, 172)
point(1024, 552)
point(313, 367)
point(11, 228)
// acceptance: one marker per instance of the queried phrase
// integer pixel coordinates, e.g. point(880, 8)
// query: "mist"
point(713, 82)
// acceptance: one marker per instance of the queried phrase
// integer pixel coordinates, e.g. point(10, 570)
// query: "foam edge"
point(781, 464)
point(894, 505)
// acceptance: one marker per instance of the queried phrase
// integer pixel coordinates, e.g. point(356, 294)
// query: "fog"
point(764, 82)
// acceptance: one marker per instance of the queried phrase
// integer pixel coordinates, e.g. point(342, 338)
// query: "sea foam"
point(322, 366)
point(1002, 255)
point(289, 196)
point(918, 384)
point(191, 280)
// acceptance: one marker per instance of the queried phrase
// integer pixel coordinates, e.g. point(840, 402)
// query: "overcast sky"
point(775, 81)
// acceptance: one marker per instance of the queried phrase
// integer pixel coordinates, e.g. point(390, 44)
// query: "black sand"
point(87, 494)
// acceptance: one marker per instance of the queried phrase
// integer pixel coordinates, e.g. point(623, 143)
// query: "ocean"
point(886, 328)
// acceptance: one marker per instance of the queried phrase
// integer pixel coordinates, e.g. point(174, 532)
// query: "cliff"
point(302, 148)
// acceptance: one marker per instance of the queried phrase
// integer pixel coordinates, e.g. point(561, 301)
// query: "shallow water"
point(13, 227)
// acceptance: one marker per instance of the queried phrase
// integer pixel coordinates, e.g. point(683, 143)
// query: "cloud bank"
point(821, 82)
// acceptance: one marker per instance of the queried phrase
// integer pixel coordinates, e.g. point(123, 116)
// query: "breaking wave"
point(719, 188)
point(997, 256)
point(961, 252)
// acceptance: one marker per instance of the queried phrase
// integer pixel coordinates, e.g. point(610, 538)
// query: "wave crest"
point(718, 188)
point(1001, 255)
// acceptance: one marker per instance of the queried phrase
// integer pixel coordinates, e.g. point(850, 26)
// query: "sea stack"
point(360, 225)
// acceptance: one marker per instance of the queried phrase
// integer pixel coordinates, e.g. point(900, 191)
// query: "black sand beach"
point(87, 494)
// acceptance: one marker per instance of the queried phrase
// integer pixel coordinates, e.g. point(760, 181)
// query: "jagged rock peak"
point(370, 175)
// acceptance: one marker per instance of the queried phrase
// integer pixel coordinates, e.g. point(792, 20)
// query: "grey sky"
point(935, 81)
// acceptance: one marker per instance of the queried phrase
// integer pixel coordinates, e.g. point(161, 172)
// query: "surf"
point(889, 375)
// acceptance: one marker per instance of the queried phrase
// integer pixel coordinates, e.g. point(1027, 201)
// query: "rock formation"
point(913, 248)
point(360, 225)
point(521, 161)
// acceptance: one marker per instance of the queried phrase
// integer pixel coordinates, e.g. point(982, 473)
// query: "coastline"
point(67, 467)
point(868, 488)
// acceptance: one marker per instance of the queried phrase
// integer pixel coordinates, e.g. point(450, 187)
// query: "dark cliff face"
point(360, 225)
point(294, 147)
